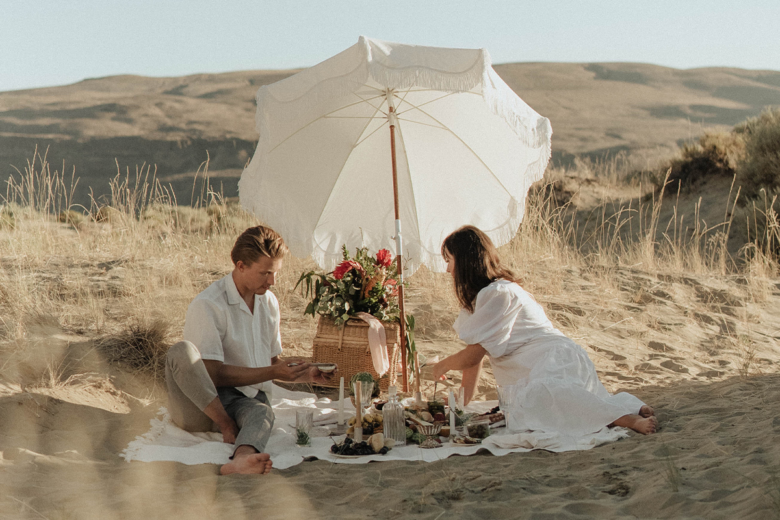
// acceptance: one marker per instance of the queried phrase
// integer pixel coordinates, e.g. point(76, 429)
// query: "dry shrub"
point(106, 213)
point(759, 176)
point(142, 347)
point(72, 217)
point(760, 169)
point(7, 217)
point(716, 153)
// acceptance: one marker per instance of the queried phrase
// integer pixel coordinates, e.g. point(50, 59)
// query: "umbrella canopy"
point(467, 147)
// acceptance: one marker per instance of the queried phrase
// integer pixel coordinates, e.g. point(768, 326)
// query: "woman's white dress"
point(553, 383)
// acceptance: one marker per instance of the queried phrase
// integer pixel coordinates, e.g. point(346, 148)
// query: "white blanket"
point(166, 442)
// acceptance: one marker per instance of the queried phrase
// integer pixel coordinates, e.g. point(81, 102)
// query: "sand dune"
point(176, 123)
point(702, 350)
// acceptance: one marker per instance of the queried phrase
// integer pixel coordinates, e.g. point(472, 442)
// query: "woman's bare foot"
point(247, 461)
point(639, 424)
point(646, 411)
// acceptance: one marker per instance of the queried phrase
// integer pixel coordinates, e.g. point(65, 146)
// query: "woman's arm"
point(469, 357)
point(470, 380)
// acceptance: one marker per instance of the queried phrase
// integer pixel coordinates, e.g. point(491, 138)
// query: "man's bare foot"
point(248, 462)
point(639, 424)
point(646, 411)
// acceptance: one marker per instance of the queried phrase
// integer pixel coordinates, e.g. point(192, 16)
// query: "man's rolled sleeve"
point(204, 326)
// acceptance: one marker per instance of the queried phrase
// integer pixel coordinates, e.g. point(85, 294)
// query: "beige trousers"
point(190, 390)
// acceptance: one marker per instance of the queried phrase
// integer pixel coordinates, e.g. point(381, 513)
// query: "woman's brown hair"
point(477, 263)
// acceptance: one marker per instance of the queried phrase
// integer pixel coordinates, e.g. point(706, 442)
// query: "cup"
point(304, 420)
point(479, 429)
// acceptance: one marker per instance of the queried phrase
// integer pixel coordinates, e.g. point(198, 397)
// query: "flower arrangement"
point(364, 283)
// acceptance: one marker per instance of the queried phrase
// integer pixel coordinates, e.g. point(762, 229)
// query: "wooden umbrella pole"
point(398, 257)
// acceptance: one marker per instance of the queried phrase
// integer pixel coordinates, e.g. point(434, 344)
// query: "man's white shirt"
point(220, 324)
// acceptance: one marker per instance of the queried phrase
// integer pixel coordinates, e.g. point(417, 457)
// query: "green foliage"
point(411, 346)
point(360, 284)
point(302, 437)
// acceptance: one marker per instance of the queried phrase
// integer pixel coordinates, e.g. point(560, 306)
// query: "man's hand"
point(287, 370)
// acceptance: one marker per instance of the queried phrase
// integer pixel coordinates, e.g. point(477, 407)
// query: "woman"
point(548, 380)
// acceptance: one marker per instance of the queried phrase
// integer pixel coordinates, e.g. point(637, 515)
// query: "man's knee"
point(260, 412)
point(182, 352)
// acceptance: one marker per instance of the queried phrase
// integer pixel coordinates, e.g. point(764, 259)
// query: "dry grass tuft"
point(142, 348)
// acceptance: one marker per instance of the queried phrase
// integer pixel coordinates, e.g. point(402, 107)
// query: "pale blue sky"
point(53, 42)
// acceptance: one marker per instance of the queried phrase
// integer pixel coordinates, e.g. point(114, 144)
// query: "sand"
point(699, 349)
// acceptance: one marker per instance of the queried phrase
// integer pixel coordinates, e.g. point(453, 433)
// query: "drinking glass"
point(304, 419)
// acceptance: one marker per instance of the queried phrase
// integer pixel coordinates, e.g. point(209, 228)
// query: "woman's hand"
point(439, 369)
point(468, 357)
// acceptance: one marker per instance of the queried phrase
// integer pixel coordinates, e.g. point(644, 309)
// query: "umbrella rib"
point(378, 108)
point(427, 102)
point(421, 123)
point(352, 117)
point(411, 184)
point(403, 99)
point(456, 136)
point(324, 117)
point(345, 162)
point(369, 135)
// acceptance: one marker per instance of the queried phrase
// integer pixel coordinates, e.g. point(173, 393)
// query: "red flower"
point(392, 283)
point(384, 258)
point(345, 267)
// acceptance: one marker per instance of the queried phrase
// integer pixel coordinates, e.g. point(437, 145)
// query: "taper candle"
point(341, 402)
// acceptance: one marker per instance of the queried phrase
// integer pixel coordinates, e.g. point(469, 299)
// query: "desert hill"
point(176, 123)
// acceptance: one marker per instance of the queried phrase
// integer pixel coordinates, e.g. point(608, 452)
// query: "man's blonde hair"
point(256, 242)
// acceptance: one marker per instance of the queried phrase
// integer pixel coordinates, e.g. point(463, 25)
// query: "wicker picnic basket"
point(348, 347)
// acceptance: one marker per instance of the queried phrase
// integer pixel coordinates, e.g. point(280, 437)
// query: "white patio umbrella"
point(384, 133)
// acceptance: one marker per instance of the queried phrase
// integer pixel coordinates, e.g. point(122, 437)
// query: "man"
point(220, 375)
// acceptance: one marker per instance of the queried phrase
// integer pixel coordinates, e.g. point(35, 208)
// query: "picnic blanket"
point(166, 442)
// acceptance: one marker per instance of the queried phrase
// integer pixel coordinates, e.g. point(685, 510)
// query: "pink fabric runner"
point(377, 342)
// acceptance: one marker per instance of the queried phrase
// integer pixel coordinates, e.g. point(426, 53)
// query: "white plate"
point(353, 456)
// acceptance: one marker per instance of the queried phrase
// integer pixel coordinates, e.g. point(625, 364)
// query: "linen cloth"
point(166, 442)
point(555, 385)
point(220, 324)
point(377, 342)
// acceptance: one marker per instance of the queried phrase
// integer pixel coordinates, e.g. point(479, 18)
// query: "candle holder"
point(430, 432)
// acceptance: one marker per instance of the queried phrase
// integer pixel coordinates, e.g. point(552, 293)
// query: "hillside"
point(176, 123)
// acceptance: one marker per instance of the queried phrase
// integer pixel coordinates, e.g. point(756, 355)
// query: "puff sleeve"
point(496, 310)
